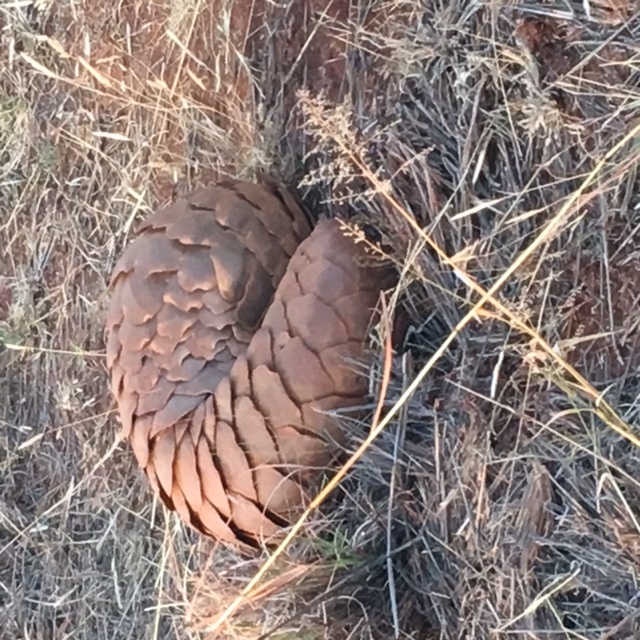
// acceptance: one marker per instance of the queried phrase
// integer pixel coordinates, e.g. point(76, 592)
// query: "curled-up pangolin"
point(229, 333)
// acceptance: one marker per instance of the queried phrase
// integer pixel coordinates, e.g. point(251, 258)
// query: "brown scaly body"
point(229, 328)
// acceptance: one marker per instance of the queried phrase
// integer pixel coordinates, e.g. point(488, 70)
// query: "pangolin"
point(230, 331)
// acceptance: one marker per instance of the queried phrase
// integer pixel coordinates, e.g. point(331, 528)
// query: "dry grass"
point(502, 498)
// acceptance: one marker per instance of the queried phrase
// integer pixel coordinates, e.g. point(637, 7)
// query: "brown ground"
point(506, 503)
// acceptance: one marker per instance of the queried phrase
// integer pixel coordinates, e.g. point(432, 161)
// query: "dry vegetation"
point(502, 500)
